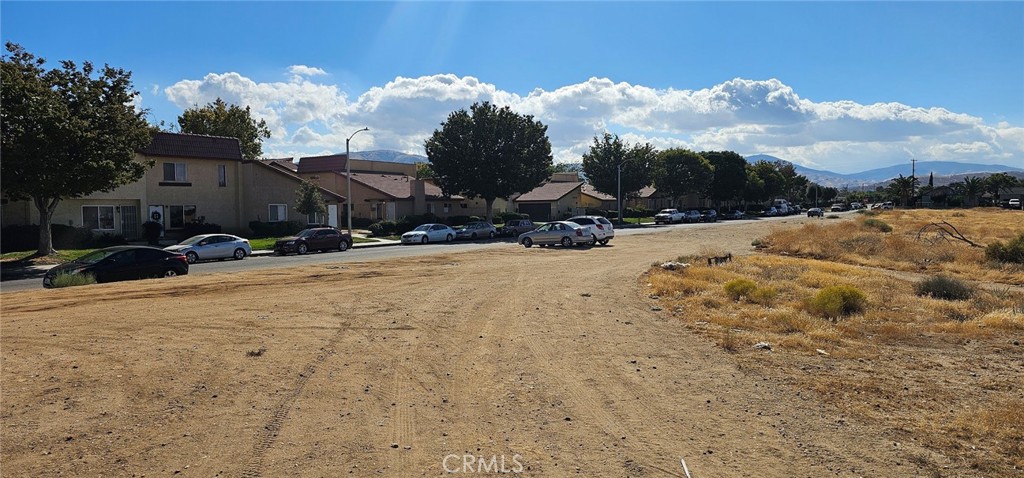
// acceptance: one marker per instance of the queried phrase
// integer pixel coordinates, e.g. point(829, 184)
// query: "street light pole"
point(618, 194)
point(348, 181)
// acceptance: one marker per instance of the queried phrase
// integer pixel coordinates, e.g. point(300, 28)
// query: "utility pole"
point(913, 177)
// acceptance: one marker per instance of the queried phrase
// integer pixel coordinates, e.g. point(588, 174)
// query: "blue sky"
point(832, 85)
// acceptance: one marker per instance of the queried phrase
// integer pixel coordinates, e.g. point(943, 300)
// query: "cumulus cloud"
point(747, 116)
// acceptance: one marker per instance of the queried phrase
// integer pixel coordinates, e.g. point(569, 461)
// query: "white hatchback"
point(601, 229)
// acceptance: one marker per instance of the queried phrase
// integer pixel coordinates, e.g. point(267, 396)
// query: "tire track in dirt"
point(268, 435)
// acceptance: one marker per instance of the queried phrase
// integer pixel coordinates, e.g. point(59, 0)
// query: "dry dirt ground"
point(551, 358)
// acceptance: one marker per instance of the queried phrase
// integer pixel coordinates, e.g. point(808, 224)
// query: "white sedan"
point(429, 233)
point(212, 246)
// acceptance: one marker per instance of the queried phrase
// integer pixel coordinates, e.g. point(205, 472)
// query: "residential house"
point(194, 179)
point(552, 200)
point(594, 199)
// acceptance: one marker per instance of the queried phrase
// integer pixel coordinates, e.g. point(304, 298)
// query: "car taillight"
point(600, 227)
point(579, 232)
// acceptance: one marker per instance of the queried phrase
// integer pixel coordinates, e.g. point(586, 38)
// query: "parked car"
point(429, 233)
point(708, 215)
point(314, 239)
point(212, 246)
point(515, 227)
point(600, 227)
point(735, 214)
point(1013, 204)
point(120, 263)
point(855, 206)
point(795, 208)
point(770, 212)
point(887, 206)
point(558, 232)
point(815, 212)
point(838, 207)
point(476, 230)
point(668, 216)
point(692, 215)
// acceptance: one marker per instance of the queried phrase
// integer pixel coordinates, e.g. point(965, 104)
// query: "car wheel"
point(604, 242)
point(473, 237)
point(170, 273)
point(566, 241)
point(239, 254)
point(302, 249)
point(593, 239)
point(424, 240)
point(490, 235)
point(343, 246)
point(449, 238)
point(527, 242)
point(192, 257)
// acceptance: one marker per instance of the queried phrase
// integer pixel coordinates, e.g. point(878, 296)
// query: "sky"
point(841, 86)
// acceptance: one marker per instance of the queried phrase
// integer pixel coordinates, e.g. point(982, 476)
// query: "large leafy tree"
point(998, 183)
point(66, 132)
point(902, 188)
point(730, 177)
point(601, 165)
point(489, 152)
point(680, 172)
point(221, 119)
point(773, 182)
point(973, 186)
point(308, 199)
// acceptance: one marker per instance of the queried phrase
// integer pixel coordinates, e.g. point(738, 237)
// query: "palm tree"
point(902, 188)
point(973, 186)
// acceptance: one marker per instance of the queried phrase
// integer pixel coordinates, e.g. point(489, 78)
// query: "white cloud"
point(747, 116)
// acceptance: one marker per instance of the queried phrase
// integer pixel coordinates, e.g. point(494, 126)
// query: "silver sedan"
point(429, 233)
point(559, 232)
point(212, 246)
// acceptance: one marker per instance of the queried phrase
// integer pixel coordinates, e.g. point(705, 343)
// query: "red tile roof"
point(549, 192)
point(181, 145)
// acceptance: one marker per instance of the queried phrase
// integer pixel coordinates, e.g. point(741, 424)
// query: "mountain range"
point(944, 171)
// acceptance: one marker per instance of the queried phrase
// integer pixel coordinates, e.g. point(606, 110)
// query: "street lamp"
point(348, 181)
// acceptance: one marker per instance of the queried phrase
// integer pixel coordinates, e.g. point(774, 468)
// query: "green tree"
point(220, 119)
point(999, 183)
point(67, 132)
point(774, 181)
point(424, 171)
point(601, 165)
point(489, 152)
point(902, 188)
point(680, 172)
point(566, 168)
point(308, 199)
point(754, 190)
point(730, 177)
point(973, 187)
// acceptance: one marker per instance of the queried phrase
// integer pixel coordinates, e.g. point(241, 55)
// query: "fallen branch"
point(945, 231)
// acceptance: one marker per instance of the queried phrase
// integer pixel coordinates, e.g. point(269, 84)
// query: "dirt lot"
point(551, 358)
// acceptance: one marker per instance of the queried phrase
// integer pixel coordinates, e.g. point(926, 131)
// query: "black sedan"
point(122, 263)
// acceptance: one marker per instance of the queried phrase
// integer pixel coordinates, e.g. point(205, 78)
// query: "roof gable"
point(181, 145)
point(589, 190)
point(548, 192)
point(320, 164)
point(397, 186)
point(279, 170)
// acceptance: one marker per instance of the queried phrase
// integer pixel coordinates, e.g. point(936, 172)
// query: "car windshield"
point(191, 241)
point(96, 256)
point(425, 227)
point(667, 211)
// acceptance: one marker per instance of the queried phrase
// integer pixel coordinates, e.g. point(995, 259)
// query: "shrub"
point(274, 229)
point(382, 228)
point(197, 228)
point(764, 296)
point(26, 237)
point(71, 280)
point(877, 224)
point(107, 240)
point(507, 216)
point(1010, 252)
point(837, 301)
point(945, 288)
point(737, 288)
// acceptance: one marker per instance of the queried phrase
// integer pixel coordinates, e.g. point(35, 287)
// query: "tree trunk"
point(45, 207)
point(490, 213)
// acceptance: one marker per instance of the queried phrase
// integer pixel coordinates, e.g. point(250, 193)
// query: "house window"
point(278, 213)
point(98, 217)
point(175, 172)
point(464, 205)
point(181, 215)
point(316, 218)
point(222, 175)
point(447, 207)
point(431, 208)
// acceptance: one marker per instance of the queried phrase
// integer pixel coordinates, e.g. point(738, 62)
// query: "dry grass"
point(905, 248)
point(945, 374)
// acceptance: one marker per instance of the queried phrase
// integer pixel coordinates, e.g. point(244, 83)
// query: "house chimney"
point(418, 191)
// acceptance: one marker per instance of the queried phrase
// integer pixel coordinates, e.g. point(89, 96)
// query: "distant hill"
point(941, 169)
point(389, 156)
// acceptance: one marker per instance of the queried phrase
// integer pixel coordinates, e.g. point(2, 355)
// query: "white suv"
point(600, 228)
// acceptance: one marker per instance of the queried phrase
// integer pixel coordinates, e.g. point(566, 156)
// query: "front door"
point(130, 222)
point(332, 215)
point(390, 211)
point(156, 214)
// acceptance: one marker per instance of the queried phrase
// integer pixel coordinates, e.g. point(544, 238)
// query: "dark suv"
point(708, 215)
point(515, 227)
point(314, 239)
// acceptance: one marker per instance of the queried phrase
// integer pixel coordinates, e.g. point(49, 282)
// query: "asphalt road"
point(363, 254)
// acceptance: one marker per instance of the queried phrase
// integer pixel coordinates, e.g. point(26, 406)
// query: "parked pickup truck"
point(668, 216)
